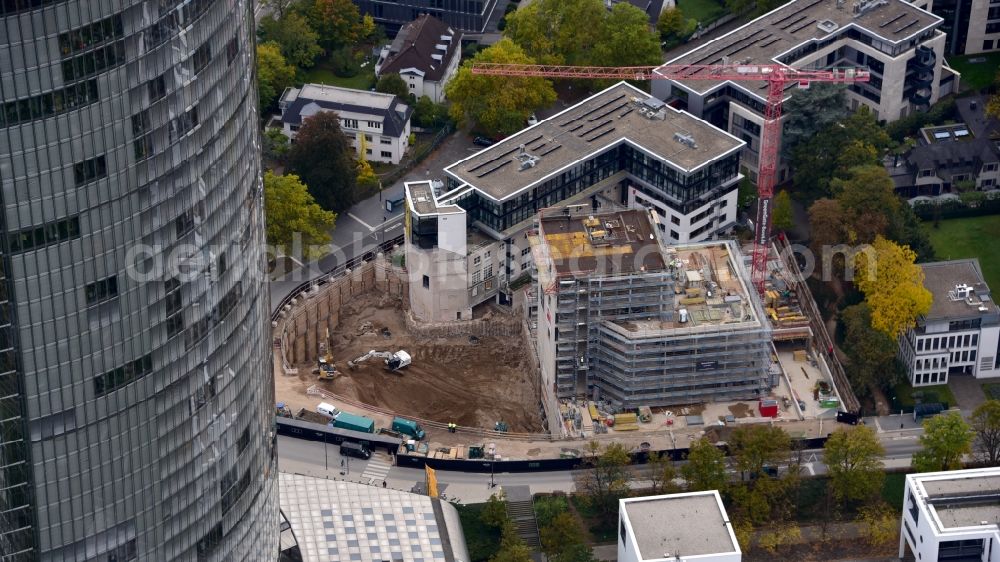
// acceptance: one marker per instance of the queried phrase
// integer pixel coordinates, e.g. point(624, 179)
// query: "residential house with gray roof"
point(946, 155)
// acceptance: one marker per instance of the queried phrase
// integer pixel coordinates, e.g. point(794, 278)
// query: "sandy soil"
point(450, 379)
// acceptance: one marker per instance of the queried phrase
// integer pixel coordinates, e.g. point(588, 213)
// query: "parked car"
point(356, 450)
point(532, 120)
point(482, 141)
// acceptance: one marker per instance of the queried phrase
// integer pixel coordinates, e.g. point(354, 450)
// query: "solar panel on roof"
point(599, 135)
point(626, 112)
point(553, 149)
point(793, 22)
point(907, 26)
point(803, 26)
point(608, 112)
point(595, 127)
point(892, 21)
point(493, 169)
point(577, 128)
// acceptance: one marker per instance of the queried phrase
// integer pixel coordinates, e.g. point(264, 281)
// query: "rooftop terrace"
point(621, 113)
point(679, 525)
point(765, 39)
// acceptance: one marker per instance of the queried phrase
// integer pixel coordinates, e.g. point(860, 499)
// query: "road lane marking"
point(363, 223)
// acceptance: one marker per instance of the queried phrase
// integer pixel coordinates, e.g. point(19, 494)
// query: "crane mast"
point(777, 77)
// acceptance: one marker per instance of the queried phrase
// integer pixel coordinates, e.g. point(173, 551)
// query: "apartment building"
point(960, 336)
point(952, 516)
point(691, 526)
point(618, 147)
point(972, 26)
point(627, 319)
point(900, 43)
point(378, 123)
point(425, 54)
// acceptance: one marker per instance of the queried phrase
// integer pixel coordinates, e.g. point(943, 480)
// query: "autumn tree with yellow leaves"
point(893, 286)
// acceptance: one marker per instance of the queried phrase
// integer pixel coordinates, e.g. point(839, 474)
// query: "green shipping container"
point(354, 423)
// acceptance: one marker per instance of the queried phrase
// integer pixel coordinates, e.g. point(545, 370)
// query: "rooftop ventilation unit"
point(827, 26)
point(863, 6)
point(686, 140)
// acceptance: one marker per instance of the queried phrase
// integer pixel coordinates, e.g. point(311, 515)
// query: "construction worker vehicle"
point(393, 361)
point(327, 371)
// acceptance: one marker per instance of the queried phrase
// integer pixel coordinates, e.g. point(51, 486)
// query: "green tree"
point(393, 83)
point(945, 440)
point(871, 353)
point(993, 104)
point(754, 447)
point(547, 507)
point(273, 74)
point(854, 461)
point(807, 112)
point(782, 218)
point(324, 159)
point(738, 6)
point(337, 22)
point(662, 474)
point(557, 31)
point(868, 201)
point(561, 533)
point(512, 548)
point(291, 211)
point(575, 553)
point(819, 157)
point(298, 41)
point(826, 221)
point(608, 478)
point(494, 514)
point(674, 28)
point(893, 286)
point(985, 422)
point(626, 39)
point(705, 468)
point(879, 525)
point(747, 193)
point(275, 145)
point(498, 104)
point(428, 114)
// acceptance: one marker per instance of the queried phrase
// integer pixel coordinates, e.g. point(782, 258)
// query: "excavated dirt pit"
point(450, 379)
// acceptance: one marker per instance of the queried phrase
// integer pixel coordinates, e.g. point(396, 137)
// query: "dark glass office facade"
point(679, 190)
point(470, 16)
point(136, 390)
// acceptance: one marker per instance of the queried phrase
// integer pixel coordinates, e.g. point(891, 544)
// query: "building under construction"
point(635, 322)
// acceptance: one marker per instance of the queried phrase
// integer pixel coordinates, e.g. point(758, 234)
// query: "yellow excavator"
point(327, 370)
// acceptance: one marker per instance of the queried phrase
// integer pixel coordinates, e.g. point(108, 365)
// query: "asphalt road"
point(367, 224)
point(313, 459)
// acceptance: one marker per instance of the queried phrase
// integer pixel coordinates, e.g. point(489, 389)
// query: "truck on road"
point(353, 423)
point(408, 427)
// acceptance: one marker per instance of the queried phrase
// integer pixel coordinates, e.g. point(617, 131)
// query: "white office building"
point(693, 526)
point(960, 336)
point(377, 123)
point(952, 516)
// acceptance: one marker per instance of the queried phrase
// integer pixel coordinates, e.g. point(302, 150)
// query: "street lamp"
point(326, 455)
point(493, 463)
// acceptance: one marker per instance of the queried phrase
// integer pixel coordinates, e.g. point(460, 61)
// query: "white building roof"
point(678, 525)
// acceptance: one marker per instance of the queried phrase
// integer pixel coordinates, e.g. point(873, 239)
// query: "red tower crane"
point(777, 77)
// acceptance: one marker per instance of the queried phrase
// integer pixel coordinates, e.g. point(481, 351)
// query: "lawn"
point(703, 11)
point(976, 75)
point(320, 74)
point(992, 390)
point(483, 541)
point(969, 238)
point(902, 396)
point(892, 489)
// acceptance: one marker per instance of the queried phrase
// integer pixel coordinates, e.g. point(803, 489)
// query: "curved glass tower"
point(136, 392)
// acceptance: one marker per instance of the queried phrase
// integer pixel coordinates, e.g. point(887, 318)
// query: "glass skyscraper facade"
point(136, 391)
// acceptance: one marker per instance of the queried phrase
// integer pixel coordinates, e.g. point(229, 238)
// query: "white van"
point(328, 410)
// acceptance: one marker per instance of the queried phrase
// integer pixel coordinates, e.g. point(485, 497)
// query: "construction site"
point(470, 380)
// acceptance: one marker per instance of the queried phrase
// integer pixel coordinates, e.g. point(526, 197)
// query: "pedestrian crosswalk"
point(377, 468)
